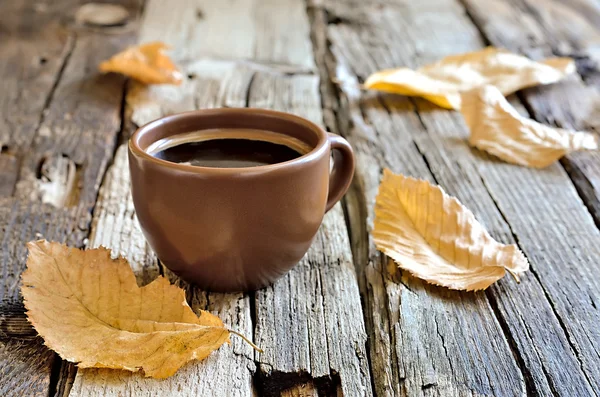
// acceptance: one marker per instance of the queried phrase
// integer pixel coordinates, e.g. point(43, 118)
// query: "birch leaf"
point(146, 63)
point(90, 310)
point(442, 82)
point(437, 239)
point(499, 129)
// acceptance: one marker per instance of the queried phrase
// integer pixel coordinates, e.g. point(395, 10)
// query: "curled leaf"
point(499, 129)
point(89, 309)
point(146, 63)
point(442, 82)
point(433, 236)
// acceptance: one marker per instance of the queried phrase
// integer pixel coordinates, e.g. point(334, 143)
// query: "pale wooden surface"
point(344, 321)
point(300, 313)
point(56, 114)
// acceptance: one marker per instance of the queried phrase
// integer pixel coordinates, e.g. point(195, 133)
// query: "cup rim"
point(311, 156)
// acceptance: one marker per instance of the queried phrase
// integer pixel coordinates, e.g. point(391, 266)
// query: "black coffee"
point(228, 148)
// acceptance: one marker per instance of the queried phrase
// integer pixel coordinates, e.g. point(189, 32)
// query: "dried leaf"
point(89, 309)
point(146, 63)
point(433, 236)
point(499, 129)
point(442, 82)
point(102, 14)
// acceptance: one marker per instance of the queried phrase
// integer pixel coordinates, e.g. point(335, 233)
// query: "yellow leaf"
point(442, 82)
point(89, 309)
point(433, 236)
point(146, 63)
point(499, 129)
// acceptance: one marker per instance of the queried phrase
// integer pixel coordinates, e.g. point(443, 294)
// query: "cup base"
point(212, 286)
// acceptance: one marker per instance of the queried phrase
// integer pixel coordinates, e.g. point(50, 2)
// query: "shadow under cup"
point(235, 229)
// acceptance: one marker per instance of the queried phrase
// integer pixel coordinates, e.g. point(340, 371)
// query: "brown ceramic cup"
point(236, 229)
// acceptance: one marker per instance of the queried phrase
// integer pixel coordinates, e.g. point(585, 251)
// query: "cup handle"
point(343, 169)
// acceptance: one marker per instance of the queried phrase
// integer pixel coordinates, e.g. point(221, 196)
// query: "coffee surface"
point(228, 148)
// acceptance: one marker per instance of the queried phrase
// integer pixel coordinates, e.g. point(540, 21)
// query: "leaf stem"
point(248, 341)
point(515, 275)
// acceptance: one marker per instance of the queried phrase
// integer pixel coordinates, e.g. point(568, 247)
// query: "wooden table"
point(342, 321)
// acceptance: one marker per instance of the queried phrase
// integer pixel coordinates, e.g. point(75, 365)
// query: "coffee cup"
point(236, 229)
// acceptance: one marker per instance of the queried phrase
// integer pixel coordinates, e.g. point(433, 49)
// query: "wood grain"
point(312, 317)
point(538, 329)
point(556, 28)
point(229, 371)
point(417, 332)
point(568, 28)
point(334, 311)
point(19, 342)
point(34, 47)
point(115, 226)
point(9, 167)
point(274, 33)
point(58, 123)
point(256, 78)
point(25, 367)
point(417, 139)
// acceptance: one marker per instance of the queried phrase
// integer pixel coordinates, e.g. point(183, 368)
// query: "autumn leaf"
point(102, 14)
point(146, 63)
point(442, 82)
point(499, 129)
point(89, 309)
point(437, 239)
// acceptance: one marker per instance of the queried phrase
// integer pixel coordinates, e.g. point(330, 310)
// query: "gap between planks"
point(47, 74)
point(358, 63)
point(223, 83)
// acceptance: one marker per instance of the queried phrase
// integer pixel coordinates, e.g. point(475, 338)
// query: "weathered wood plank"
point(311, 319)
point(418, 339)
point(430, 143)
point(19, 342)
point(58, 122)
point(270, 32)
point(25, 367)
point(9, 167)
point(571, 29)
point(115, 225)
point(66, 378)
point(324, 312)
point(33, 58)
point(33, 47)
point(573, 105)
point(221, 82)
point(229, 371)
point(542, 27)
point(556, 28)
point(529, 311)
point(225, 372)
